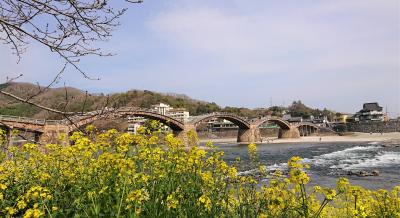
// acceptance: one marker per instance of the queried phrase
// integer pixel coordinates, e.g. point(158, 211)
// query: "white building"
point(218, 124)
point(135, 123)
point(370, 112)
point(179, 114)
point(133, 127)
point(162, 108)
point(176, 113)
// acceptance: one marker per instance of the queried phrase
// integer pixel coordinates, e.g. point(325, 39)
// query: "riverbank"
point(356, 137)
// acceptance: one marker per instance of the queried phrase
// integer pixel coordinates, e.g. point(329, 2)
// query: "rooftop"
point(373, 106)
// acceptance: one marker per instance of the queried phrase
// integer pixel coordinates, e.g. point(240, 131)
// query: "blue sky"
point(336, 53)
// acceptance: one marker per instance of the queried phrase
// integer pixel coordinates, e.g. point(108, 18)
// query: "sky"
point(336, 54)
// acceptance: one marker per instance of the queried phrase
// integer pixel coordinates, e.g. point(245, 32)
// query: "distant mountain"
point(75, 100)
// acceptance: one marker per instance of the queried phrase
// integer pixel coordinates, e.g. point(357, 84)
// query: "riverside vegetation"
point(148, 174)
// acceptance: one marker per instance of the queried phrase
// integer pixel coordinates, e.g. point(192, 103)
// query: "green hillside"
point(75, 100)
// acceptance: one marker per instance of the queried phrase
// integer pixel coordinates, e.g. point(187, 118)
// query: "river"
point(328, 161)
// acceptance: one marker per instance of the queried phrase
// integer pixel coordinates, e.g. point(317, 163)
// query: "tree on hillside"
point(277, 110)
point(298, 109)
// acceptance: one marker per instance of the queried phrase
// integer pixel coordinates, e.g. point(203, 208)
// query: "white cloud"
point(266, 41)
point(241, 53)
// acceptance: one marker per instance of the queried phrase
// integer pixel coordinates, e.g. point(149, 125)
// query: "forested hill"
point(75, 100)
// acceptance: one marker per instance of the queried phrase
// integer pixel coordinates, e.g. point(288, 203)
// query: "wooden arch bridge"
point(47, 131)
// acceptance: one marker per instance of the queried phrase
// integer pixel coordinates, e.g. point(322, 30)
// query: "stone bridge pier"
point(245, 135)
point(249, 135)
point(183, 134)
point(9, 136)
point(52, 133)
point(292, 132)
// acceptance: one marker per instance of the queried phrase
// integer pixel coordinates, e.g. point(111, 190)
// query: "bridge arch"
point(240, 122)
point(307, 128)
point(174, 124)
point(278, 121)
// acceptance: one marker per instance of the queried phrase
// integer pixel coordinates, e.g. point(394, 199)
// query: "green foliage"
point(19, 109)
point(152, 126)
point(79, 100)
point(130, 175)
point(340, 128)
point(193, 139)
point(3, 143)
point(4, 85)
point(3, 137)
point(145, 99)
point(277, 110)
point(298, 109)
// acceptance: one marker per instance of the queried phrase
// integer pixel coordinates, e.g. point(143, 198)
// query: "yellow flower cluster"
point(2, 137)
point(147, 174)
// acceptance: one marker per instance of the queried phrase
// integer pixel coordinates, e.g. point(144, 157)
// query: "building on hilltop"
point(370, 112)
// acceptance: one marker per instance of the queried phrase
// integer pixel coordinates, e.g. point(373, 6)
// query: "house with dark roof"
point(367, 107)
point(370, 112)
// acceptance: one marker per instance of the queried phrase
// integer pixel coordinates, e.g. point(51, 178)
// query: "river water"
point(328, 161)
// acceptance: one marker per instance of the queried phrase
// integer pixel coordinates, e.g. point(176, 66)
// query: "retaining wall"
point(376, 127)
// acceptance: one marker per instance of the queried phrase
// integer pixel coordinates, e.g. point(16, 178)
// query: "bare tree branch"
point(84, 102)
point(8, 80)
point(68, 28)
point(49, 85)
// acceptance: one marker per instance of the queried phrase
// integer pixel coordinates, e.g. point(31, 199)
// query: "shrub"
point(116, 174)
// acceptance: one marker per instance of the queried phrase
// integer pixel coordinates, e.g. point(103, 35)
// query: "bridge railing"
point(79, 116)
point(21, 119)
point(29, 120)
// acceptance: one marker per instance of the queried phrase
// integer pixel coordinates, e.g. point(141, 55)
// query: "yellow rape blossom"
point(114, 174)
point(172, 202)
point(33, 213)
point(205, 201)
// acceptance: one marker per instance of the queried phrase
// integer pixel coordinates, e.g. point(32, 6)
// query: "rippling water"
point(328, 161)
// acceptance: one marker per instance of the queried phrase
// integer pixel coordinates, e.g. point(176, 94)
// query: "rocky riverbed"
point(373, 164)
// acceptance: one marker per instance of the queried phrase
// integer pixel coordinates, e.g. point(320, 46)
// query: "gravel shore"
point(356, 137)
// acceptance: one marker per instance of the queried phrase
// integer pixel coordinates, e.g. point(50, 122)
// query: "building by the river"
point(369, 113)
point(180, 114)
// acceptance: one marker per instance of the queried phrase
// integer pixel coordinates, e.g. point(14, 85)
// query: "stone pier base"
point(52, 133)
point(291, 133)
point(250, 135)
point(9, 136)
point(183, 134)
